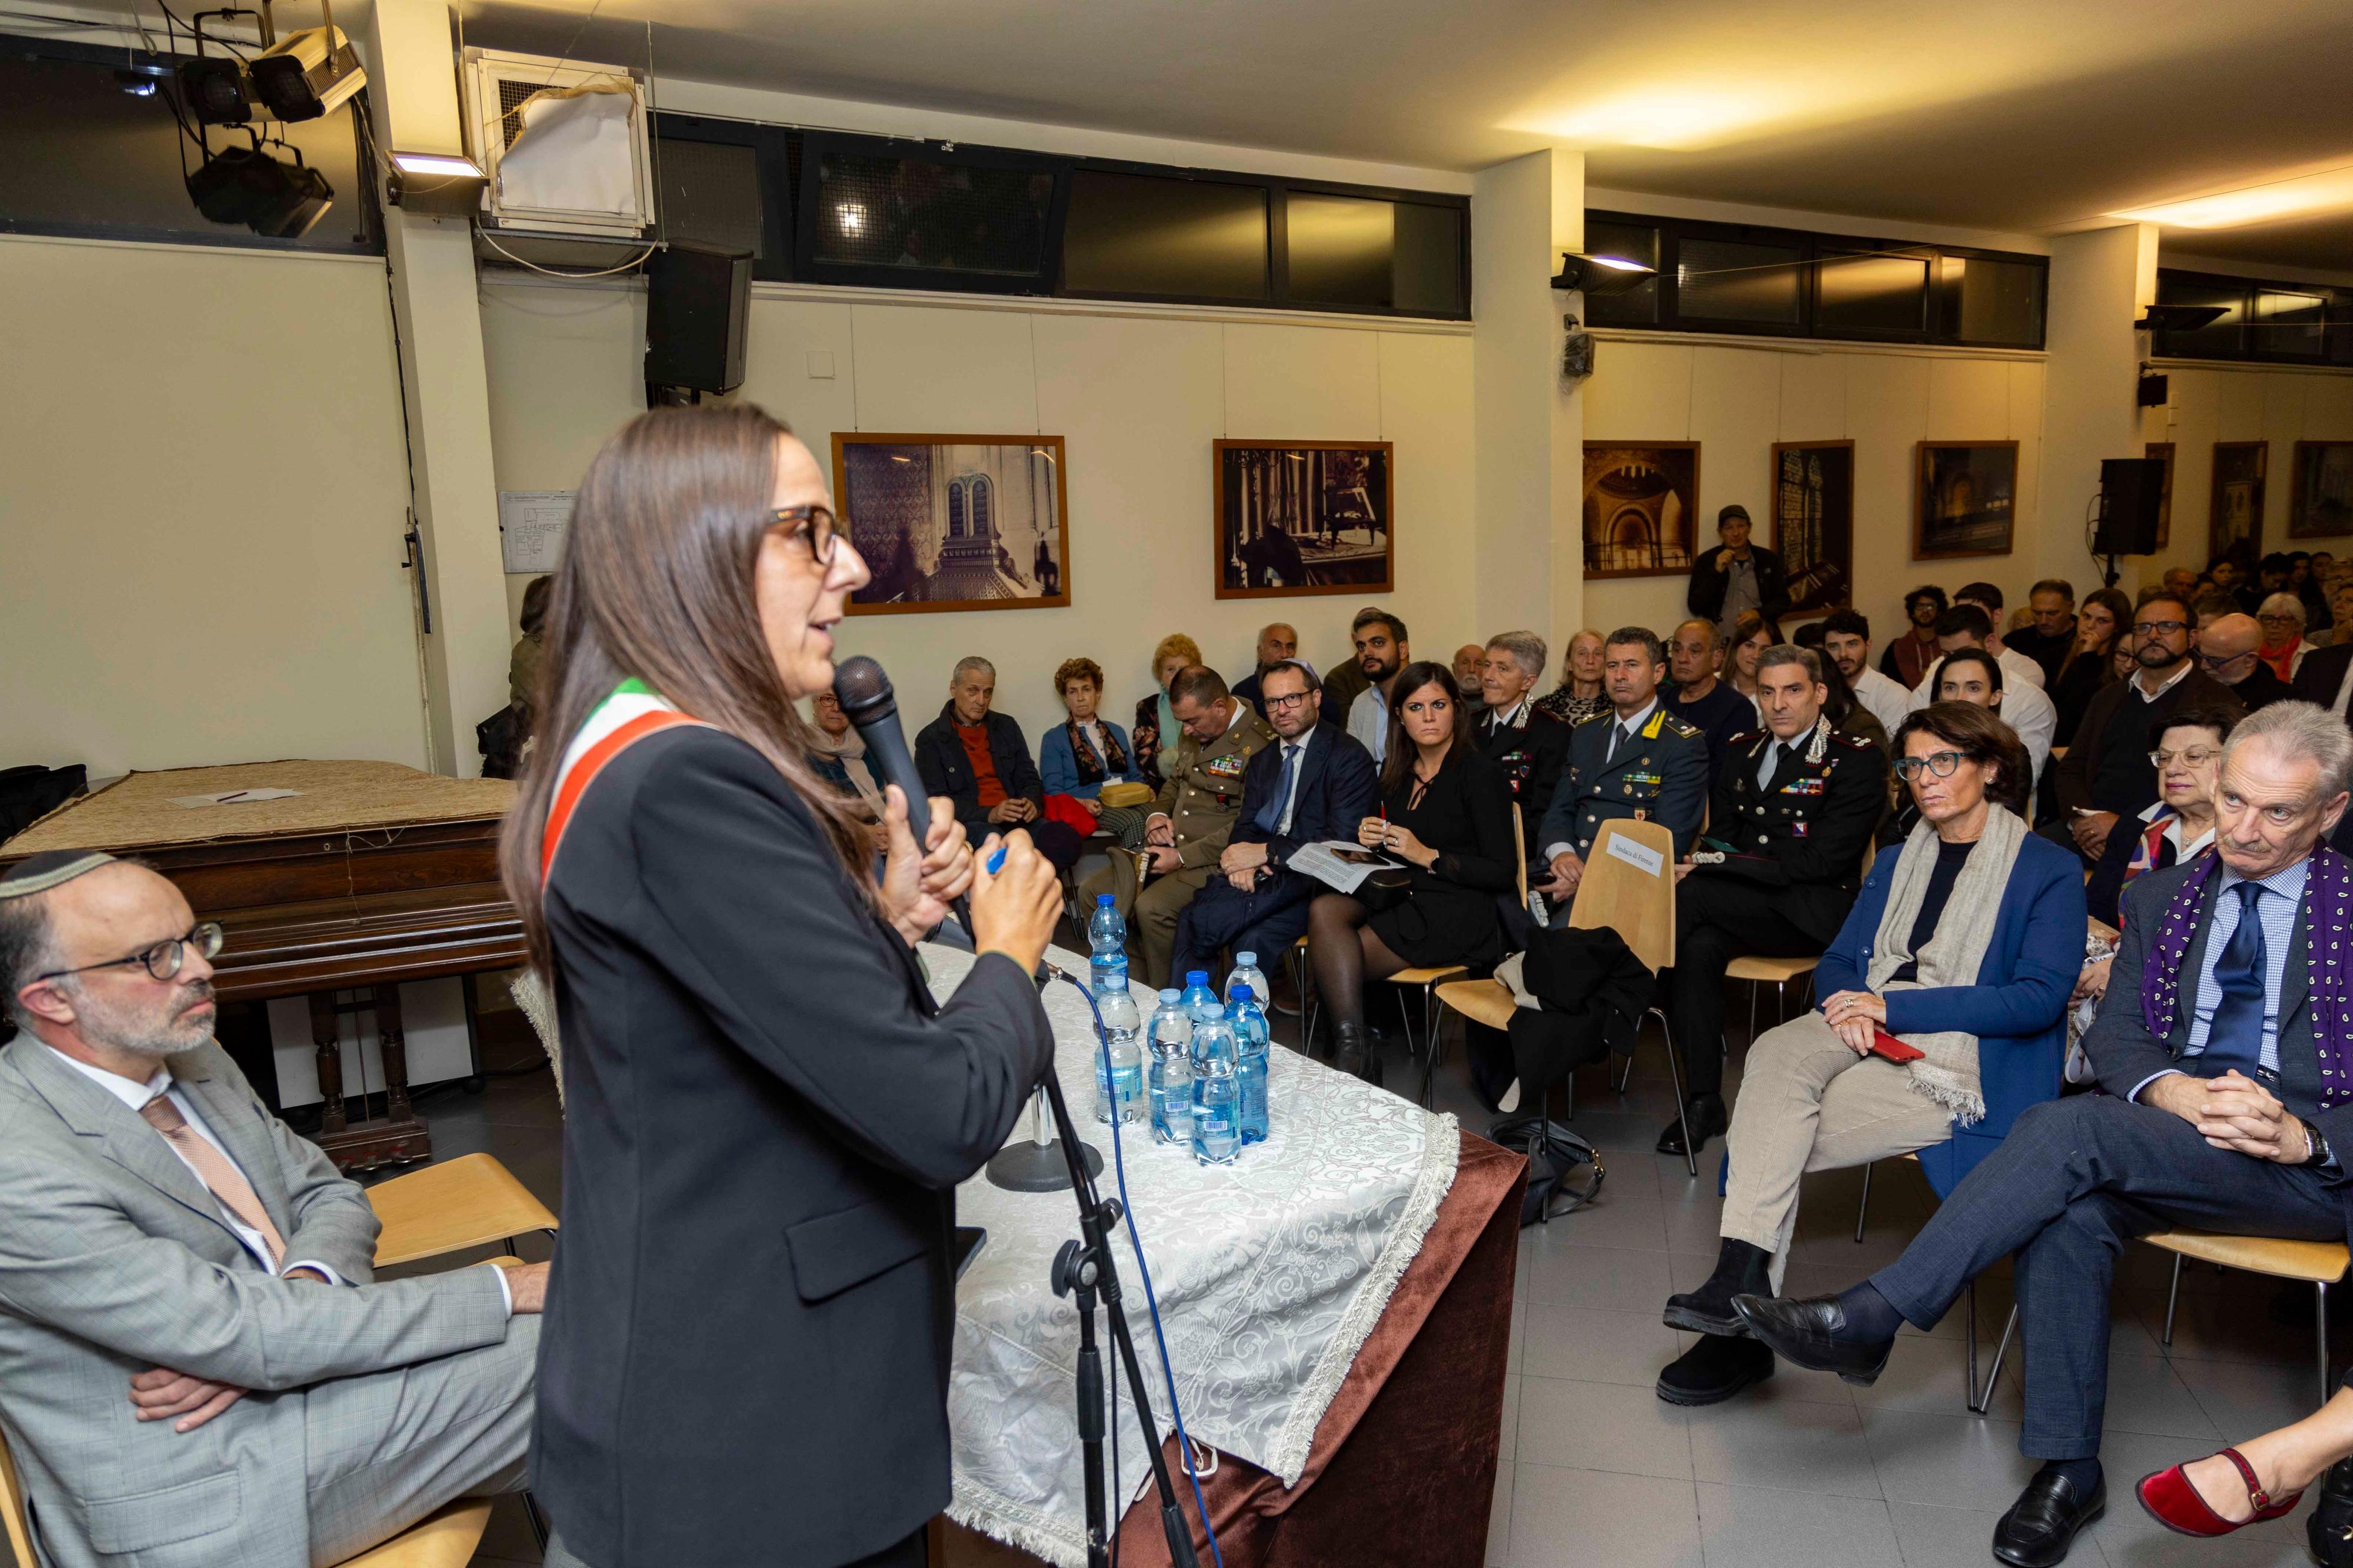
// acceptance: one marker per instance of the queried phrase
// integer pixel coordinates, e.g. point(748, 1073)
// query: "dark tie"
point(1616, 734)
point(1785, 760)
point(2235, 1038)
point(1269, 818)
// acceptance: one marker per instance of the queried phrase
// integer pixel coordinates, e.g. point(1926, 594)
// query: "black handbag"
point(1385, 888)
point(1555, 1155)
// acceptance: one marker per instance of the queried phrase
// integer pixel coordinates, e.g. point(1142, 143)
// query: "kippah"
point(49, 869)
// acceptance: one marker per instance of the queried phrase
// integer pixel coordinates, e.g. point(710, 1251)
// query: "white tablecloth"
point(1270, 1273)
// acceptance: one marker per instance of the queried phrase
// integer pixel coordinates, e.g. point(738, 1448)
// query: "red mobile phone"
point(1886, 1045)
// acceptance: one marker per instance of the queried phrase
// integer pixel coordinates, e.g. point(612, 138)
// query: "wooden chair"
point(1620, 890)
point(470, 1201)
point(2319, 1263)
point(1778, 972)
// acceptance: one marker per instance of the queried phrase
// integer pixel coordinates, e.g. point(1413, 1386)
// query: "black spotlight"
point(2179, 317)
point(214, 88)
point(1601, 274)
point(247, 185)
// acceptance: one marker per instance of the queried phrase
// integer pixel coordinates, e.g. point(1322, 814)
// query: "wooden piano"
point(368, 875)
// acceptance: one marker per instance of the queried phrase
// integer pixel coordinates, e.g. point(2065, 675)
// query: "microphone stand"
point(1086, 1270)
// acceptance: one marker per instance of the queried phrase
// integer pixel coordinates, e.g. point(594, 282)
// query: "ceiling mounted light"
point(1601, 274)
point(247, 185)
point(439, 185)
point(308, 74)
point(2327, 190)
point(214, 89)
point(2179, 317)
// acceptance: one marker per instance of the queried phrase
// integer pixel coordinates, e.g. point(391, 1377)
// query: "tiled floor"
point(1595, 1472)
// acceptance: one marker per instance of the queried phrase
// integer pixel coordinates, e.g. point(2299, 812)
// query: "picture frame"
point(2163, 452)
point(2320, 505)
point(1964, 499)
point(1300, 518)
point(1641, 505)
point(1810, 488)
point(2234, 507)
point(952, 522)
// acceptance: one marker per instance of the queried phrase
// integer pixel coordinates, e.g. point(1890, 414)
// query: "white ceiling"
point(2003, 114)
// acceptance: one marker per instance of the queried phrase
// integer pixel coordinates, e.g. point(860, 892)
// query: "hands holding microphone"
point(1014, 907)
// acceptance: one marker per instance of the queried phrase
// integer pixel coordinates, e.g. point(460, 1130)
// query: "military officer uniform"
point(1654, 770)
point(1787, 826)
point(1202, 799)
point(1532, 747)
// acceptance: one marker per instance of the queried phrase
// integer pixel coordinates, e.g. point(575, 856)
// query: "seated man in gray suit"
point(198, 1370)
point(2226, 1050)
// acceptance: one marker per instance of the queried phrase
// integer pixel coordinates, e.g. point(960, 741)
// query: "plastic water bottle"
point(1217, 1132)
point(1201, 1004)
point(1249, 1021)
point(1107, 937)
point(1119, 1084)
point(1171, 1036)
point(1247, 973)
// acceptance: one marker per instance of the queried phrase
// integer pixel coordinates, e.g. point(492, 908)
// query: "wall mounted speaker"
point(698, 302)
point(2132, 490)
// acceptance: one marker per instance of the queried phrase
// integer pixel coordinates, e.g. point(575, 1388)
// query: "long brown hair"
point(1396, 764)
point(657, 583)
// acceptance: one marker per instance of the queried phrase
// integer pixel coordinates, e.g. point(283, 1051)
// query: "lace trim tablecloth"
point(1271, 1272)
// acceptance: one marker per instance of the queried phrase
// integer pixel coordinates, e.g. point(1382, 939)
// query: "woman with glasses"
point(1944, 1000)
point(2281, 616)
point(2100, 620)
point(767, 1113)
point(2186, 749)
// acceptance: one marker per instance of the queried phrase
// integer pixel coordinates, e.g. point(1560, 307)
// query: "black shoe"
point(1805, 1333)
point(1741, 1270)
point(2329, 1530)
point(1714, 1369)
point(1707, 1117)
point(1353, 1051)
point(2041, 1524)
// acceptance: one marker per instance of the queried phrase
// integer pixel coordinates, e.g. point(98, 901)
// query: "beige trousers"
point(1808, 1102)
point(1150, 911)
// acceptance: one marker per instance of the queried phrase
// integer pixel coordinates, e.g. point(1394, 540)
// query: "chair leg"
point(538, 1521)
point(1753, 987)
point(2320, 1321)
point(1675, 1073)
point(1626, 1073)
point(1984, 1396)
point(1969, 1329)
point(2172, 1295)
point(1862, 1209)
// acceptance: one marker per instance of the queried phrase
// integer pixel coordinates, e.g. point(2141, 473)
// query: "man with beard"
point(1909, 657)
point(1381, 651)
point(160, 1219)
point(1469, 660)
point(1846, 637)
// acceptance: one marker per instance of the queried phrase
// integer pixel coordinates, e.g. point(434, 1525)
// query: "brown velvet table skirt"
point(1402, 1468)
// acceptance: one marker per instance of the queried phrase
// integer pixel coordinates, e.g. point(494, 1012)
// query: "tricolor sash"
point(633, 711)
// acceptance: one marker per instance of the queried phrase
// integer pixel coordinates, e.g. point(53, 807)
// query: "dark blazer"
point(1449, 914)
point(1705, 594)
point(1533, 754)
point(1338, 788)
point(941, 763)
point(1664, 779)
point(2262, 687)
point(2017, 1010)
point(745, 1356)
point(2119, 703)
point(2321, 673)
point(1806, 831)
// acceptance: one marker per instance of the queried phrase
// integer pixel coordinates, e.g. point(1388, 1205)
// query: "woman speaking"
point(745, 1359)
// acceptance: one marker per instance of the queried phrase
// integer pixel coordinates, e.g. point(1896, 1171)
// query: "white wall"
point(1139, 395)
point(2208, 403)
point(200, 518)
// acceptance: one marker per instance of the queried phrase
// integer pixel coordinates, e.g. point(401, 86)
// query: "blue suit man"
point(1317, 781)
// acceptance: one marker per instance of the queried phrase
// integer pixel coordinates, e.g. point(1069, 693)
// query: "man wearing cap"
point(1737, 575)
point(168, 1244)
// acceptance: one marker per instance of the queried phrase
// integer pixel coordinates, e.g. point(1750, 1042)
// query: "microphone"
point(866, 702)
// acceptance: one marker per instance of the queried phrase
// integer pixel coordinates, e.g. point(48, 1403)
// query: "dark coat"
point(1664, 779)
point(1706, 595)
point(1450, 913)
point(2075, 771)
point(767, 1117)
point(1338, 788)
point(1806, 835)
point(1533, 753)
point(2262, 687)
point(941, 763)
point(2321, 673)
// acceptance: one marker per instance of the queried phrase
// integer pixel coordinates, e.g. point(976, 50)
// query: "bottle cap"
point(1246, 961)
point(1195, 977)
point(1170, 998)
point(1103, 900)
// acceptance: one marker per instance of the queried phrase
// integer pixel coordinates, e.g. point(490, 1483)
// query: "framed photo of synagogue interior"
point(1965, 498)
point(1813, 521)
point(1304, 517)
point(2234, 507)
point(1640, 501)
point(2321, 504)
point(955, 522)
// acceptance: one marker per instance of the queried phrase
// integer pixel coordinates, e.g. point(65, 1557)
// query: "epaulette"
point(1748, 737)
point(1590, 717)
point(1854, 743)
point(1678, 728)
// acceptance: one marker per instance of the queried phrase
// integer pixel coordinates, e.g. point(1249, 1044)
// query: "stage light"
point(443, 184)
point(247, 185)
point(214, 89)
point(2327, 190)
point(307, 74)
point(2179, 317)
point(1601, 274)
point(853, 218)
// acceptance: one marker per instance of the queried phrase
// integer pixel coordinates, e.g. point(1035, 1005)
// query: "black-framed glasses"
point(162, 959)
point(816, 524)
point(2158, 629)
point(1940, 764)
point(2193, 756)
point(1287, 702)
point(2224, 660)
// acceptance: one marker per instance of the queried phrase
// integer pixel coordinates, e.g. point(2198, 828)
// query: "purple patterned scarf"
point(2327, 916)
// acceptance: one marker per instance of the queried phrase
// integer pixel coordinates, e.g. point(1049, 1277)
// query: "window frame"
point(772, 150)
point(2336, 320)
point(808, 268)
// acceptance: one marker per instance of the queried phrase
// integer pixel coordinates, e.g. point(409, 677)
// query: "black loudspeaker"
point(2131, 492)
point(698, 301)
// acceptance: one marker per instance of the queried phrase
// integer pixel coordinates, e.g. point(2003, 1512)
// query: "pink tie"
point(226, 1183)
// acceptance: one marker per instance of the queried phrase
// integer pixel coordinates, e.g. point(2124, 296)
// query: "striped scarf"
point(633, 711)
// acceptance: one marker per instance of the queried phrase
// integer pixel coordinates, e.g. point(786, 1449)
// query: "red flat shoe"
point(2173, 1502)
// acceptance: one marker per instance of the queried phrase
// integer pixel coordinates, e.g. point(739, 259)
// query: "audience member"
point(1909, 656)
point(2180, 582)
point(2186, 745)
point(1579, 697)
point(2309, 581)
point(2049, 638)
point(2103, 616)
point(2224, 1112)
point(1446, 813)
point(2107, 773)
point(1794, 808)
point(1701, 698)
point(1346, 680)
point(1084, 752)
point(1314, 785)
point(1155, 725)
point(1734, 576)
point(1963, 946)
point(1751, 636)
point(2325, 678)
point(530, 649)
point(837, 752)
point(2228, 576)
point(1528, 744)
point(1846, 637)
point(1846, 715)
point(2264, 1478)
point(2023, 670)
point(2024, 706)
point(2124, 657)
point(2230, 651)
point(1469, 660)
point(2271, 577)
point(1277, 641)
point(978, 759)
point(2280, 615)
point(1641, 762)
point(1186, 835)
point(1381, 652)
point(172, 1248)
point(2212, 606)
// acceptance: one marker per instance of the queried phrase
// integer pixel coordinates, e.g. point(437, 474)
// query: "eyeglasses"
point(813, 523)
point(1940, 764)
point(163, 959)
point(1285, 704)
point(2158, 629)
point(2224, 660)
point(2196, 756)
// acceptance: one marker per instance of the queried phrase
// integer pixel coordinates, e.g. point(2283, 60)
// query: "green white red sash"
point(633, 711)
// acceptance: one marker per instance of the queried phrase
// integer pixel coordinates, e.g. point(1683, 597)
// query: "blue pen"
point(996, 861)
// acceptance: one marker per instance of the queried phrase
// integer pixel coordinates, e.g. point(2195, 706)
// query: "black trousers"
point(2074, 1181)
point(911, 1552)
point(1718, 919)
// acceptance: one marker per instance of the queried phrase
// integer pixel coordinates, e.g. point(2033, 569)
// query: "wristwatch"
point(2319, 1154)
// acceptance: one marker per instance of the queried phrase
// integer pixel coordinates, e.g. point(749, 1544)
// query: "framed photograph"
point(1965, 498)
point(1813, 521)
point(1642, 502)
point(2234, 518)
point(955, 522)
point(2321, 505)
point(1304, 517)
point(2163, 452)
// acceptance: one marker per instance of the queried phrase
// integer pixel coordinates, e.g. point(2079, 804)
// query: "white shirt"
point(2024, 708)
point(2017, 669)
point(1368, 721)
point(2169, 682)
point(1885, 700)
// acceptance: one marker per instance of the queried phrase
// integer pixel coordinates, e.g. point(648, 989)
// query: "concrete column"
point(1530, 432)
point(413, 85)
point(2099, 281)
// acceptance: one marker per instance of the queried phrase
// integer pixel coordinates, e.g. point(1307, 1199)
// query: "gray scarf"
point(1955, 951)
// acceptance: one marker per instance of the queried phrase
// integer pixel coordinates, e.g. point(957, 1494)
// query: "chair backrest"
point(12, 1508)
point(1629, 885)
point(1520, 851)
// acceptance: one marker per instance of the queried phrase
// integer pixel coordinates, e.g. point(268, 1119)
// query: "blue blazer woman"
point(1057, 762)
point(2018, 1008)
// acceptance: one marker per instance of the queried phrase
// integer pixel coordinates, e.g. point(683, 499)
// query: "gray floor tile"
point(1952, 1461)
point(1589, 1346)
point(1619, 1219)
point(1930, 1374)
point(1792, 1444)
point(1602, 1425)
point(1507, 1449)
point(2231, 1327)
point(1933, 1536)
point(1581, 1519)
point(1616, 1279)
point(2147, 1393)
point(2241, 1400)
point(1756, 1527)
point(1499, 1518)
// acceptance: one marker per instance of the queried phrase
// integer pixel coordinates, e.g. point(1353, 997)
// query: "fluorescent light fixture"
point(436, 185)
point(437, 166)
point(2327, 190)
